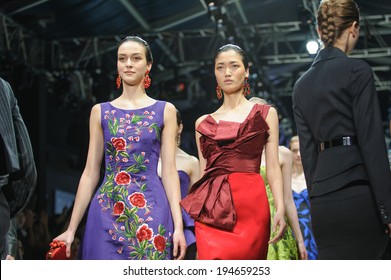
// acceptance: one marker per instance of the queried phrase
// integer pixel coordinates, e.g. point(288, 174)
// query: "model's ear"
point(180, 129)
point(149, 66)
point(354, 29)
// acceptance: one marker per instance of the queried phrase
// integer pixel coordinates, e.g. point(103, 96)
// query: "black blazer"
point(19, 165)
point(336, 97)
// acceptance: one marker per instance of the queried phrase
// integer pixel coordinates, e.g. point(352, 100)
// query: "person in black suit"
point(342, 143)
point(18, 174)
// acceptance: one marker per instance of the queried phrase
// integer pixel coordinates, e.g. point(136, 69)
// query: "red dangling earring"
point(118, 81)
point(219, 92)
point(246, 87)
point(147, 80)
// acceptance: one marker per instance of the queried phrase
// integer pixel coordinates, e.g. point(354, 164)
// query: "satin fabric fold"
point(213, 205)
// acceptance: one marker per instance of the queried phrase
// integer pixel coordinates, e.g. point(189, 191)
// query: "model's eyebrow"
point(230, 62)
point(124, 54)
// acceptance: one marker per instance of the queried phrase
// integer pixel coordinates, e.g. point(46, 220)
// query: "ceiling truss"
point(271, 45)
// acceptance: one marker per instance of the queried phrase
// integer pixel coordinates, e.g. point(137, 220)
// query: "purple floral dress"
point(129, 216)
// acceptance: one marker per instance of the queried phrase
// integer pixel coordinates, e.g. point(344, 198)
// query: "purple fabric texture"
point(129, 216)
point(188, 222)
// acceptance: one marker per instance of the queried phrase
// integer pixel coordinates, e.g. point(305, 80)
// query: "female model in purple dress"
point(133, 214)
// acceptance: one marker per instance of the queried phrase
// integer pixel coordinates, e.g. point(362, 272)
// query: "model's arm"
point(195, 170)
point(370, 134)
point(308, 148)
point(285, 156)
point(170, 178)
point(89, 179)
point(201, 158)
point(12, 240)
point(273, 173)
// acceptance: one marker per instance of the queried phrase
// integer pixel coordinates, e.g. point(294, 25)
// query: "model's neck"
point(232, 102)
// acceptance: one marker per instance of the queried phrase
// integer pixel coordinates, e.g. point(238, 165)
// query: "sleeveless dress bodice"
point(229, 203)
point(129, 216)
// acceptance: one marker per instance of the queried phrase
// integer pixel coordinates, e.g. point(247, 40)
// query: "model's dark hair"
point(334, 16)
point(235, 48)
point(148, 53)
point(178, 118)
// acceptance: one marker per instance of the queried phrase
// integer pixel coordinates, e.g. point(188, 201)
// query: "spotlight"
point(312, 46)
point(212, 7)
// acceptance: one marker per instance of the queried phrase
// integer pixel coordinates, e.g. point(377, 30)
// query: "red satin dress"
point(229, 203)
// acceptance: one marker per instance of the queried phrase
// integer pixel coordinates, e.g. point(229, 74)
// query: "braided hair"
point(334, 16)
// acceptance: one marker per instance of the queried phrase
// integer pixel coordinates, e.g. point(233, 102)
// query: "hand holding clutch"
point(57, 251)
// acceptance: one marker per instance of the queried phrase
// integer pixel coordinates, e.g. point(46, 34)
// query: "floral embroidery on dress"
point(123, 193)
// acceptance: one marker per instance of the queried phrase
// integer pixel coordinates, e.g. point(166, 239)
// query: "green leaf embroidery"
point(137, 118)
point(155, 127)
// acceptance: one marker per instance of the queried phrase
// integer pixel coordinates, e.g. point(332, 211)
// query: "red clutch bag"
point(57, 251)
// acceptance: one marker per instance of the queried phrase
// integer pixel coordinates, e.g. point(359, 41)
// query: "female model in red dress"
point(229, 203)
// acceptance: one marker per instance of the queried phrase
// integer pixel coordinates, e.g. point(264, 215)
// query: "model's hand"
point(179, 245)
point(10, 258)
point(302, 250)
point(66, 237)
point(388, 231)
point(279, 226)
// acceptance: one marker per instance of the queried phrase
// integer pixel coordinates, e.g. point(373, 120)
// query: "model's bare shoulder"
point(200, 119)
point(284, 155)
point(169, 112)
point(284, 150)
point(170, 107)
point(95, 110)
